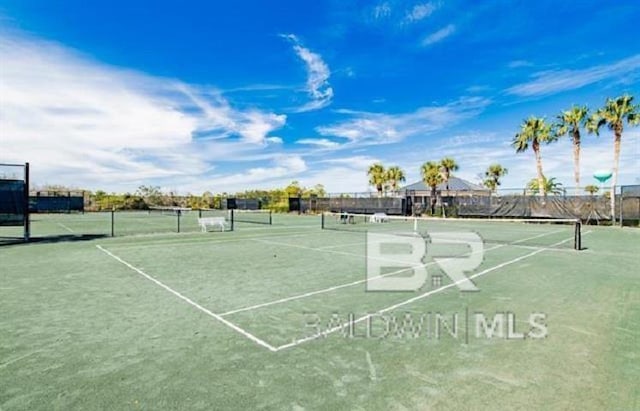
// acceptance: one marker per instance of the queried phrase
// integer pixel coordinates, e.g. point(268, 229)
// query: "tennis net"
point(252, 216)
point(169, 211)
point(525, 232)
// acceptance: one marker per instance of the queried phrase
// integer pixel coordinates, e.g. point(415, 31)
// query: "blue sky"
point(219, 96)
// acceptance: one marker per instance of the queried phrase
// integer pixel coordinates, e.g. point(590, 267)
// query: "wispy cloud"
point(381, 11)
point(319, 142)
point(281, 167)
point(364, 128)
point(478, 89)
point(420, 12)
point(274, 140)
point(340, 175)
point(361, 162)
point(519, 63)
point(318, 74)
point(82, 122)
point(439, 35)
point(555, 81)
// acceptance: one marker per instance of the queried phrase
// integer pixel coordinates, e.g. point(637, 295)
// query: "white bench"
point(204, 222)
point(379, 218)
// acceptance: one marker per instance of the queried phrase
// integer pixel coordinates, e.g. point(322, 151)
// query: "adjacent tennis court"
point(278, 315)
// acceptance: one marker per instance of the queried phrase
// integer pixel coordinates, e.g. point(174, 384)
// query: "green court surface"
point(279, 317)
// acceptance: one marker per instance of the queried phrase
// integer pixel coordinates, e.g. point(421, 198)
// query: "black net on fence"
point(520, 206)
point(12, 202)
point(361, 205)
point(630, 203)
point(56, 203)
point(243, 204)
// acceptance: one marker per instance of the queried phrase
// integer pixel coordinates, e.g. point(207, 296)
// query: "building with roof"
point(459, 192)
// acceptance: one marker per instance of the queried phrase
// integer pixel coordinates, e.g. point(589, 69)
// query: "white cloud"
point(439, 35)
point(218, 118)
point(320, 142)
point(519, 63)
point(340, 175)
point(382, 11)
point(318, 74)
point(366, 128)
point(283, 168)
point(360, 162)
point(555, 81)
point(83, 123)
point(274, 140)
point(420, 12)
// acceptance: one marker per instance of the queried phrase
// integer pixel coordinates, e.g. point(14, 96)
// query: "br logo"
point(390, 257)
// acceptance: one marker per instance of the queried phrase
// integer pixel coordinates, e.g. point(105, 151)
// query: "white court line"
point(322, 250)
point(327, 247)
point(273, 227)
point(191, 302)
point(170, 239)
point(66, 228)
point(419, 297)
point(560, 250)
point(337, 287)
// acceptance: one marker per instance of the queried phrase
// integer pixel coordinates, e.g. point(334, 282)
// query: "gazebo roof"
point(455, 184)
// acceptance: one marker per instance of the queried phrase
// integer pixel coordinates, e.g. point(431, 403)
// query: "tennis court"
point(277, 316)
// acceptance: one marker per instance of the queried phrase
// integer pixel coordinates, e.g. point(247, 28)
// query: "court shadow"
point(49, 239)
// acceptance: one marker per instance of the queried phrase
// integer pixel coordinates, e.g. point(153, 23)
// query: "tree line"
point(534, 133)
point(152, 196)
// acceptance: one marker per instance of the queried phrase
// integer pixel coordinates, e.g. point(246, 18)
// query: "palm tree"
point(534, 131)
point(432, 177)
point(377, 177)
point(614, 114)
point(395, 175)
point(569, 123)
point(448, 165)
point(591, 189)
point(493, 175)
point(550, 185)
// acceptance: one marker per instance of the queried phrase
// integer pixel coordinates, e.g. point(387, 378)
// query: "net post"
point(113, 222)
point(199, 213)
point(270, 217)
point(232, 219)
point(577, 242)
point(178, 213)
point(27, 217)
point(322, 221)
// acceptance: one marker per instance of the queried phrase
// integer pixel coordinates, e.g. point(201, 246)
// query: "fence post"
point(620, 207)
point(26, 211)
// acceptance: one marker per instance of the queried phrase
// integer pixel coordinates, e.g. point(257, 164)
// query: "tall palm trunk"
point(536, 150)
point(433, 200)
point(446, 179)
point(379, 188)
point(616, 160)
point(576, 159)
